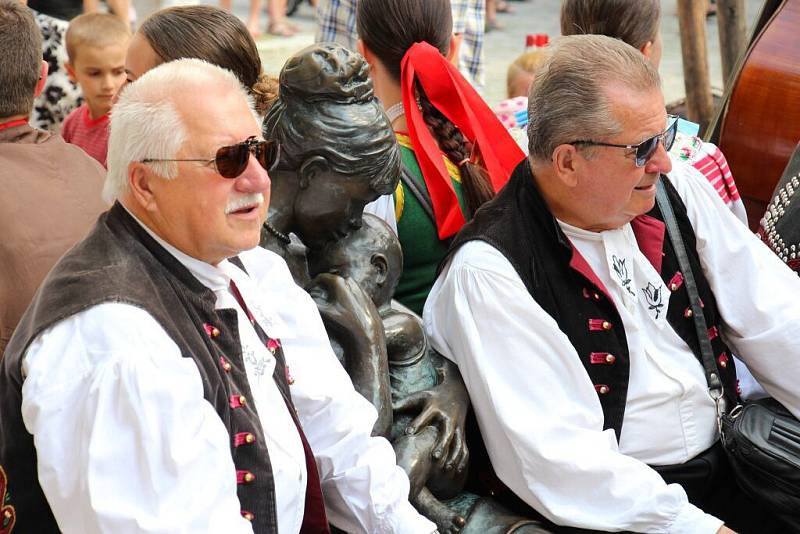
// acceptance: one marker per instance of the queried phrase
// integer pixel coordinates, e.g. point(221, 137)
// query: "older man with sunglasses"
point(566, 309)
point(169, 375)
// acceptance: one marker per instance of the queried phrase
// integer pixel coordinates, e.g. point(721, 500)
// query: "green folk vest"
point(518, 223)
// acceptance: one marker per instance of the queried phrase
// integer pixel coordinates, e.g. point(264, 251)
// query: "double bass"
point(758, 124)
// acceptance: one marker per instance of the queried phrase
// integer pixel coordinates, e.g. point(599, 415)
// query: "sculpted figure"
point(434, 456)
point(337, 154)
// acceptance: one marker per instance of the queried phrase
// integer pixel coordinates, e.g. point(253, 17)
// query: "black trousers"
point(710, 485)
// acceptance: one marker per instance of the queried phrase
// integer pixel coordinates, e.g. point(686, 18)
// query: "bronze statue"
point(338, 153)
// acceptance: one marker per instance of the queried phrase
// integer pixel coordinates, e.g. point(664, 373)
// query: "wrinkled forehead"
point(637, 112)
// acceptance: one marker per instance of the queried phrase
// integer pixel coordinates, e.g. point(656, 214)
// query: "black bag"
point(760, 438)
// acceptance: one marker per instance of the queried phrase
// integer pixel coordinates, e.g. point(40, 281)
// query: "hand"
point(444, 406)
point(725, 530)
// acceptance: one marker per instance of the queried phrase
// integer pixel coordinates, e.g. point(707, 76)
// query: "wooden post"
point(732, 34)
point(692, 20)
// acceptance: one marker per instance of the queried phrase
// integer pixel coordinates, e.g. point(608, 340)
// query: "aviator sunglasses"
point(231, 160)
point(648, 147)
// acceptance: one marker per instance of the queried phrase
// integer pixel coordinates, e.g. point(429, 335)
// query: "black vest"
point(120, 262)
point(518, 223)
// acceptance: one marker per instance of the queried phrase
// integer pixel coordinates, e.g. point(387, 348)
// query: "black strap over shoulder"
point(422, 195)
point(709, 365)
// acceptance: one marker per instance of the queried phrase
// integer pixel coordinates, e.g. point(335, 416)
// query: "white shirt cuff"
point(692, 520)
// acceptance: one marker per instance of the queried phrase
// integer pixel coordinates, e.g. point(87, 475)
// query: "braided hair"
point(389, 28)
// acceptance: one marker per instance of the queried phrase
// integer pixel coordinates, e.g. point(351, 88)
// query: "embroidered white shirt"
point(538, 410)
point(126, 442)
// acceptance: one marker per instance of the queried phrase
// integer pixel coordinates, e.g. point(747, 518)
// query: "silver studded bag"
point(780, 226)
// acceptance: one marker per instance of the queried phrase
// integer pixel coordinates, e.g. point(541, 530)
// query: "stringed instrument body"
point(758, 127)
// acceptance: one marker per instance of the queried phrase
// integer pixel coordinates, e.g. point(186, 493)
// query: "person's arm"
point(756, 292)
point(538, 411)
point(350, 317)
point(124, 438)
point(365, 491)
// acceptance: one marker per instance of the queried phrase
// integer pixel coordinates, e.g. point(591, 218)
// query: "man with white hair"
point(169, 375)
point(566, 309)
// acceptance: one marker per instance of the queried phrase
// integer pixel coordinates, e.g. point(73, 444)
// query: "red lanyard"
point(11, 124)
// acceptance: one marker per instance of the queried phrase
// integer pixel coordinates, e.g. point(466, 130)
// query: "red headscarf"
point(451, 94)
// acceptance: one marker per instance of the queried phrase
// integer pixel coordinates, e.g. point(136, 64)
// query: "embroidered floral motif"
point(654, 297)
point(621, 270)
point(259, 363)
point(8, 516)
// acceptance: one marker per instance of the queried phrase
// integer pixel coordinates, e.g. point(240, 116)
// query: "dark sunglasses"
point(231, 160)
point(648, 147)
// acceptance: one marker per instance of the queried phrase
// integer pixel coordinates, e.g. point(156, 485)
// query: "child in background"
point(514, 111)
point(96, 47)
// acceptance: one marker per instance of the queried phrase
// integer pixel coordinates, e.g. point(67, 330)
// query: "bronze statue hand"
point(444, 406)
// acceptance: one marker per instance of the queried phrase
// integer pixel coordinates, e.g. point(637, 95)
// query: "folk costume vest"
point(518, 223)
point(120, 262)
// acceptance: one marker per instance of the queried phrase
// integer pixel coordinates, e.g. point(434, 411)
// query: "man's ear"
point(381, 266)
point(566, 162)
point(311, 168)
point(140, 185)
point(455, 48)
point(42, 79)
point(647, 49)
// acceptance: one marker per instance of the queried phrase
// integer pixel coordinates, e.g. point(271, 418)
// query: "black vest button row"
point(602, 389)
point(226, 366)
point(248, 515)
point(243, 438)
point(723, 360)
point(237, 401)
point(244, 477)
point(211, 330)
point(602, 358)
point(676, 281)
point(599, 324)
point(587, 294)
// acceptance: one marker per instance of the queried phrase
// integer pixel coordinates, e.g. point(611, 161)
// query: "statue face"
point(330, 207)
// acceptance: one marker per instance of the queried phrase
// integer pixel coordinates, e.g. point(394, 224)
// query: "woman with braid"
point(456, 155)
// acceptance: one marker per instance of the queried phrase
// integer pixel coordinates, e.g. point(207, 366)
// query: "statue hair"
point(326, 107)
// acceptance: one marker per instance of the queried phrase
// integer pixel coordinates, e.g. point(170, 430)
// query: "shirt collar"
point(211, 276)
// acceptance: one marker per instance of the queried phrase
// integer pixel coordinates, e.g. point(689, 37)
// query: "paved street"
point(502, 46)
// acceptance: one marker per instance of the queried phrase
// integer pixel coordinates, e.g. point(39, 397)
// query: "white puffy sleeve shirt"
point(538, 411)
point(126, 441)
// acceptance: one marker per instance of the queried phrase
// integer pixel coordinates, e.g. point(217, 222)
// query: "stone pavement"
point(503, 46)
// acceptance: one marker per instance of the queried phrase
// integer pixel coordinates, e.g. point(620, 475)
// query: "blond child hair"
point(95, 29)
point(526, 63)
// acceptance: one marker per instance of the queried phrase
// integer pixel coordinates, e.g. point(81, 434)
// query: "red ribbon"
point(451, 94)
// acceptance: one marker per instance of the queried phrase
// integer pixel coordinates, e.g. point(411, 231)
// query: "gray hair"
point(568, 99)
point(21, 59)
point(146, 122)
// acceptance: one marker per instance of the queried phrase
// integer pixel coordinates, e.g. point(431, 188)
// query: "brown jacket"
point(50, 195)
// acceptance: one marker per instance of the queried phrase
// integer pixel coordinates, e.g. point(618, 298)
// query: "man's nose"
point(254, 179)
point(660, 162)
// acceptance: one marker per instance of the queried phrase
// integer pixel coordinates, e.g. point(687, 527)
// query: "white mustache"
point(251, 200)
